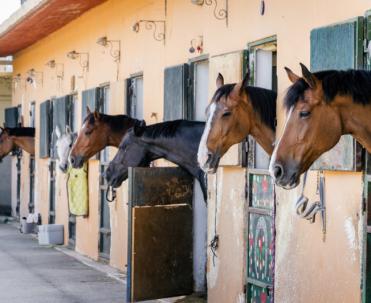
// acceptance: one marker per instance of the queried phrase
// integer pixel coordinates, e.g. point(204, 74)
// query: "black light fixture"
point(115, 47)
point(83, 58)
point(153, 25)
point(219, 13)
point(59, 68)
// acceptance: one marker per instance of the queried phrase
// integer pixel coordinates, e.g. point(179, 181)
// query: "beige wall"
point(291, 22)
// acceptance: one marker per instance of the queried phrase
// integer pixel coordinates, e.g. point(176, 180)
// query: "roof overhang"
point(37, 19)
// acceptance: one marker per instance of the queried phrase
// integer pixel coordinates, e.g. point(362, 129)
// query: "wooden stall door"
point(261, 231)
point(160, 233)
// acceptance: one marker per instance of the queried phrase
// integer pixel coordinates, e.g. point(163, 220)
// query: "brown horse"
point(321, 107)
point(236, 111)
point(97, 132)
point(21, 137)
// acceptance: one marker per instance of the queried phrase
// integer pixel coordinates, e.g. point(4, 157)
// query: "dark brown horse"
point(236, 111)
point(321, 107)
point(18, 137)
point(97, 132)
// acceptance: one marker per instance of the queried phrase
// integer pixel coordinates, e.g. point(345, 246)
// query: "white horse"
point(63, 146)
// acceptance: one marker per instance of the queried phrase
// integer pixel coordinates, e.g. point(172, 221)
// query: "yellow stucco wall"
point(291, 22)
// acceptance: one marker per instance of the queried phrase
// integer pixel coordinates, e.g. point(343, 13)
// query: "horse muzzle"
point(77, 161)
point(212, 163)
point(115, 178)
point(285, 176)
point(63, 168)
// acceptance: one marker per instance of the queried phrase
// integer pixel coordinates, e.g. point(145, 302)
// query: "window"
point(135, 97)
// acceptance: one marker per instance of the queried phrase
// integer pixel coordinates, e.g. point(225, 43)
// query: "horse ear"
point(308, 76)
point(245, 82)
point(139, 128)
point(68, 130)
point(88, 111)
point(292, 76)
point(58, 132)
point(219, 80)
point(96, 115)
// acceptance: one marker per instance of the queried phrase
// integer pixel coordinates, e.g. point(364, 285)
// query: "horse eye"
point(70, 145)
point(304, 114)
point(226, 114)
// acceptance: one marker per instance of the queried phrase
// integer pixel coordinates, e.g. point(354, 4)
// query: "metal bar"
point(258, 283)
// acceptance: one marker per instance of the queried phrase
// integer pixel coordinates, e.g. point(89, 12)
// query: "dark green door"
point(261, 231)
point(160, 233)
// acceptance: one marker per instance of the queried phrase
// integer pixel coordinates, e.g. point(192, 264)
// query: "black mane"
point(166, 129)
point(355, 83)
point(263, 101)
point(21, 131)
point(117, 123)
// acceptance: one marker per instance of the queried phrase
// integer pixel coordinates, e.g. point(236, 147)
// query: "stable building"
point(159, 60)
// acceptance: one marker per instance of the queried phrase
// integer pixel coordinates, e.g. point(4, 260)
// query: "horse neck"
point(176, 149)
point(356, 121)
point(114, 137)
point(25, 143)
point(265, 136)
point(262, 133)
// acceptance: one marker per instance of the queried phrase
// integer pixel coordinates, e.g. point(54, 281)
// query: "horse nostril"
point(72, 160)
point(278, 171)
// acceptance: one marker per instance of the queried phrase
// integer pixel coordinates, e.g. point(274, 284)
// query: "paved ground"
point(33, 274)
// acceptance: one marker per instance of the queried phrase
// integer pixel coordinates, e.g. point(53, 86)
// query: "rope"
point(112, 197)
point(214, 243)
point(309, 211)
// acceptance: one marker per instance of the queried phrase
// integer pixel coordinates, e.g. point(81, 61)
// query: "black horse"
point(176, 141)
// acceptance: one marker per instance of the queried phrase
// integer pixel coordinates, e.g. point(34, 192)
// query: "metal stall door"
point(261, 234)
point(160, 233)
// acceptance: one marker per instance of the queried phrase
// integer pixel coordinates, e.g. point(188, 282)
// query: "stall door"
point(260, 189)
point(160, 233)
point(105, 221)
point(261, 230)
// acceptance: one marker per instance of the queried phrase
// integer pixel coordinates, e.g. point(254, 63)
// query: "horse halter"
point(111, 194)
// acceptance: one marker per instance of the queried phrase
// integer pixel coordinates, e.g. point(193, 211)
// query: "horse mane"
point(355, 83)
point(166, 129)
point(21, 131)
point(116, 122)
point(263, 101)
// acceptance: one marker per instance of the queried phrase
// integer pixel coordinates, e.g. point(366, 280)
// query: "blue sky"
point(7, 7)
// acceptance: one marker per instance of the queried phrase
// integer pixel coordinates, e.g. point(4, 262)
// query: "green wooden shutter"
point(338, 46)
point(89, 98)
point(177, 103)
point(11, 116)
point(44, 150)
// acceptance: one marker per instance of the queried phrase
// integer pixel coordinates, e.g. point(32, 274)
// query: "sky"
point(7, 7)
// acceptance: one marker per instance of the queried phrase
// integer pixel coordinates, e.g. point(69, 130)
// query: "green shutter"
point(89, 98)
point(338, 46)
point(11, 116)
point(177, 99)
point(44, 150)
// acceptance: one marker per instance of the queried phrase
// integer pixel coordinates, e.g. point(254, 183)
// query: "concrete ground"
point(30, 273)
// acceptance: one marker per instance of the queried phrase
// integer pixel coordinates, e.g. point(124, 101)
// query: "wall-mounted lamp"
point(59, 68)
point(197, 45)
point(33, 77)
point(152, 25)
point(83, 58)
point(219, 13)
point(115, 47)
